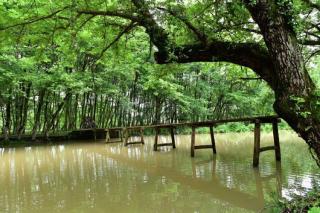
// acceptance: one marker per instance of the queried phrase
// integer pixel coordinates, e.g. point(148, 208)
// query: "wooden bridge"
point(122, 134)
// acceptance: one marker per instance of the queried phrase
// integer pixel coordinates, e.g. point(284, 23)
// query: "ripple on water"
point(97, 176)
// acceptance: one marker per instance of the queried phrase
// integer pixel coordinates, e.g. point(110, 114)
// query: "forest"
point(51, 83)
point(143, 62)
point(61, 63)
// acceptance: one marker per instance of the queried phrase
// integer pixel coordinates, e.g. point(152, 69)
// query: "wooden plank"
point(135, 142)
point(136, 127)
point(193, 135)
point(262, 119)
point(276, 140)
point(266, 148)
point(114, 141)
point(165, 144)
point(256, 149)
point(203, 147)
point(172, 138)
point(213, 142)
point(116, 128)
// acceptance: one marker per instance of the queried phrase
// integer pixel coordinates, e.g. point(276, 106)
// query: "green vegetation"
point(140, 62)
point(61, 63)
point(309, 203)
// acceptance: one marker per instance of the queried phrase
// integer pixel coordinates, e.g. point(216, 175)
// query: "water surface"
point(99, 177)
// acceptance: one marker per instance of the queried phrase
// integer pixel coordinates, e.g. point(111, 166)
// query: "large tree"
point(267, 36)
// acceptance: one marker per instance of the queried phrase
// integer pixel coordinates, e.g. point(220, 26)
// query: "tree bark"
point(281, 65)
point(294, 89)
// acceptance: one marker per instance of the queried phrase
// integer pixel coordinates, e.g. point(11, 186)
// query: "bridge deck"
point(126, 132)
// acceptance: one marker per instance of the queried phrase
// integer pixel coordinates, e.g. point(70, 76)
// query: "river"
point(99, 177)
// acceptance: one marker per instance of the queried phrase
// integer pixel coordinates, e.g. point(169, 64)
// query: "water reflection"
point(104, 178)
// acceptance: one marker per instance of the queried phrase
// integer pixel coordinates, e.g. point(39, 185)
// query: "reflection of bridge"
point(213, 187)
point(127, 132)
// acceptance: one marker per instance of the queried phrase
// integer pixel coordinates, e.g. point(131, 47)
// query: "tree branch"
point(250, 55)
point(121, 14)
point(310, 42)
point(126, 30)
point(35, 19)
point(158, 35)
point(311, 4)
point(200, 35)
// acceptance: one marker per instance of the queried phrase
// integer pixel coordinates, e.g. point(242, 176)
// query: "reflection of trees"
point(214, 187)
point(89, 176)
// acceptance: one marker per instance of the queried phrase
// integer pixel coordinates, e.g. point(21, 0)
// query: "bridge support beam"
point(193, 141)
point(156, 139)
point(257, 137)
point(127, 132)
point(110, 139)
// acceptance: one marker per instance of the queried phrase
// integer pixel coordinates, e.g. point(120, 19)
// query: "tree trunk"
point(52, 121)
point(281, 65)
point(6, 128)
point(38, 114)
point(294, 89)
point(24, 111)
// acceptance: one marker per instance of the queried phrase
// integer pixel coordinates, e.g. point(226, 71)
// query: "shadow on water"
point(99, 177)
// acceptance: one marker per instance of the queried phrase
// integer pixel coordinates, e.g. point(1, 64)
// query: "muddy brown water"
point(99, 177)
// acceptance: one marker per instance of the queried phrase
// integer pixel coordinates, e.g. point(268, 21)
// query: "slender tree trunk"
point(38, 114)
point(73, 124)
point(6, 129)
point(55, 115)
point(24, 111)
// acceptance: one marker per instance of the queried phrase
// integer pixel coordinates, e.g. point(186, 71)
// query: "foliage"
point(106, 64)
point(300, 203)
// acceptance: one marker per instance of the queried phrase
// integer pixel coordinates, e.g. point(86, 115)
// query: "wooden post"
point(172, 138)
point(107, 135)
point(256, 149)
point(141, 135)
point(95, 134)
point(193, 137)
point(155, 145)
point(126, 135)
point(121, 134)
point(213, 142)
point(276, 140)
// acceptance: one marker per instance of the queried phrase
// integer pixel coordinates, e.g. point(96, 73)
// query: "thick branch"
point(158, 35)
point(310, 42)
point(250, 55)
